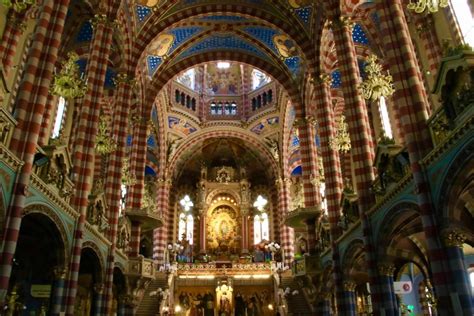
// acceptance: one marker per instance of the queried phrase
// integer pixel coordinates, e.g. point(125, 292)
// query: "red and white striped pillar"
point(332, 174)
point(124, 86)
point(362, 150)
point(84, 154)
point(286, 233)
point(413, 108)
point(309, 164)
point(32, 97)
point(160, 235)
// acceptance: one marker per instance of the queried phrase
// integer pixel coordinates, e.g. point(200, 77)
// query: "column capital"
point(125, 79)
point(323, 78)
point(453, 238)
point(101, 18)
point(162, 182)
point(60, 272)
point(99, 288)
point(342, 22)
point(386, 269)
point(349, 286)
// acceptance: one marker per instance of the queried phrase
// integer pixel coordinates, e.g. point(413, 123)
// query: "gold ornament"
point(429, 6)
point(104, 144)
point(19, 5)
point(341, 141)
point(127, 177)
point(376, 84)
point(67, 83)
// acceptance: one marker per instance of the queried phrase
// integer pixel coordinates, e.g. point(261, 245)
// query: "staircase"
point(297, 304)
point(149, 304)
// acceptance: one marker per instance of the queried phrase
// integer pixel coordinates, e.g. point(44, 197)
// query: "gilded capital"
point(124, 78)
point(99, 288)
point(349, 286)
point(103, 19)
point(386, 269)
point(342, 21)
point(60, 273)
point(453, 238)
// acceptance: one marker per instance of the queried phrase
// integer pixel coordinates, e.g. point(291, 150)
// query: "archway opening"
point(90, 284)
point(39, 252)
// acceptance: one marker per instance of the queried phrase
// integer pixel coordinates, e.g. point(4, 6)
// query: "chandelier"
point(376, 84)
point(104, 144)
point(67, 83)
point(431, 6)
point(19, 5)
point(341, 141)
point(127, 177)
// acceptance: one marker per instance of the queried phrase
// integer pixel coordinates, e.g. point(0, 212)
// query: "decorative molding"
point(453, 238)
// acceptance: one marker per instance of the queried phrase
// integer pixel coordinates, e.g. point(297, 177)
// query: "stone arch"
point(353, 261)
point(91, 246)
point(56, 221)
point(231, 132)
point(216, 192)
point(278, 73)
point(153, 26)
point(457, 193)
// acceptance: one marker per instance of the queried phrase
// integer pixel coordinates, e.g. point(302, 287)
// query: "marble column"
point(58, 290)
point(387, 291)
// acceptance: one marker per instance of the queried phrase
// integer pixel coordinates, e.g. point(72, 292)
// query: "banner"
point(402, 287)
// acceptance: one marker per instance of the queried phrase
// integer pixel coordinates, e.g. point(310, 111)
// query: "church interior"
point(236, 157)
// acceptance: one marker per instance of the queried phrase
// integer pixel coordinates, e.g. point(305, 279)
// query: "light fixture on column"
point(68, 82)
point(376, 84)
point(430, 6)
point(19, 5)
point(341, 141)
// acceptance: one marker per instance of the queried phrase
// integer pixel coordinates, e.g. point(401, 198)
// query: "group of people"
point(251, 305)
point(197, 304)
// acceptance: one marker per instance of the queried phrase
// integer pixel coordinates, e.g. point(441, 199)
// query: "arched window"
point(193, 104)
point(261, 227)
point(259, 102)
point(123, 198)
point(177, 96)
point(385, 119)
point(182, 98)
point(188, 101)
point(254, 104)
point(270, 96)
point(186, 220)
point(463, 14)
point(264, 98)
point(233, 108)
point(59, 120)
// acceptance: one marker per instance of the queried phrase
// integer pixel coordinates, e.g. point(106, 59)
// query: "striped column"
point(360, 136)
point(409, 96)
point(324, 305)
point(286, 233)
point(135, 235)
point(124, 86)
point(332, 174)
point(349, 305)
point(98, 299)
point(202, 232)
point(58, 290)
point(309, 164)
point(459, 279)
point(137, 162)
point(9, 43)
point(427, 33)
point(30, 105)
point(48, 120)
point(245, 231)
point(309, 160)
point(85, 144)
point(388, 297)
point(160, 235)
